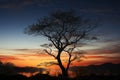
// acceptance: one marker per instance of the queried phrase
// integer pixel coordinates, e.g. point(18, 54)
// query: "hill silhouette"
point(103, 69)
point(106, 71)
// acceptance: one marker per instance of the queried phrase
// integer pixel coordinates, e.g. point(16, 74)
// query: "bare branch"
point(50, 50)
point(64, 30)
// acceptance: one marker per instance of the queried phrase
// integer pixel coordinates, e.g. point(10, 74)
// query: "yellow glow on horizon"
point(29, 57)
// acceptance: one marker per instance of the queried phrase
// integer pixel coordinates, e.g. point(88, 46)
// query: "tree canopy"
point(65, 30)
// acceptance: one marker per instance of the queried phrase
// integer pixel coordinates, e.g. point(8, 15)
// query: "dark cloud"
point(115, 48)
point(99, 11)
point(106, 57)
point(95, 7)
point(111, 48)
point(22, 3)
point(28, 50)
point(47, 64)
point(25, 49)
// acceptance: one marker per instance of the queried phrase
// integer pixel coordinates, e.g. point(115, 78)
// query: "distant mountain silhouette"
point(106, 71)
point(103, 69)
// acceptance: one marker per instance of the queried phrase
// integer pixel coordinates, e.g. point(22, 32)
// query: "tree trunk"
point(65, 75)
point(63, 69)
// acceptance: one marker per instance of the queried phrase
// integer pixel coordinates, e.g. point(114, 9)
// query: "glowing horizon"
point(22, 50)
point(25, 57)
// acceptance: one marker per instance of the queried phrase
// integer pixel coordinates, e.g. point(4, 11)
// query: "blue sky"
point(15, 15)
point(21, 49)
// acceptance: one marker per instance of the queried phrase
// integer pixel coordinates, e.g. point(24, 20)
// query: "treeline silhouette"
point(103, 69)
point(48, 77)
point(10, 72)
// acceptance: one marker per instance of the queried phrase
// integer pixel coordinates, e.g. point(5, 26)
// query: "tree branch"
point(50, 52)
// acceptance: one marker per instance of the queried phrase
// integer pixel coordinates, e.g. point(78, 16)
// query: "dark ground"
point(47, 77)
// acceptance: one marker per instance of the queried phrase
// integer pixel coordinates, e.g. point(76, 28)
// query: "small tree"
point(65, 31)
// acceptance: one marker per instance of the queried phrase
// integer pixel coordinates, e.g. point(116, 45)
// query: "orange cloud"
point(107, 57)
point(27, 59)
point(30, 57)
point(8, 58)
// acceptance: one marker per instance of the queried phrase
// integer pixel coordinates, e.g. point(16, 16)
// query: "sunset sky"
point(22, 49)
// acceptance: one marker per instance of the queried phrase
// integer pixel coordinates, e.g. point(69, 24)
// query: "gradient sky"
point(15, 15)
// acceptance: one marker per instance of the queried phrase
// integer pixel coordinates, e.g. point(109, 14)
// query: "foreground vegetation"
point(106, 71)
point(47, 77)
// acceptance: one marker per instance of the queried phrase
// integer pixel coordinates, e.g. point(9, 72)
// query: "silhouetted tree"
point(65, 31)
